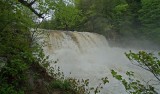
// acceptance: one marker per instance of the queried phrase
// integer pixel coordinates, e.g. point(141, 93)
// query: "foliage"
point(146, 61)
point(148, 16)
point(14, 42)
point(149, 13)
point(118, 20)
point(121, 19)
point(58, 84)
point(5, 89)
point(16, 49)
point(66, 17)
point(132, 85)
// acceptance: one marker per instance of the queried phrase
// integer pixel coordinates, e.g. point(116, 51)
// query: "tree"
point(16, 47)
point(66, 16)
point(148, 16)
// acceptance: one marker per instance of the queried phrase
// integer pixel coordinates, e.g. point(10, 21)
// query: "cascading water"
point(88, 56)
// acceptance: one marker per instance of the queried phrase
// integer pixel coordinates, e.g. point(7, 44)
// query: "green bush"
point(9, 89)
point(59, 84)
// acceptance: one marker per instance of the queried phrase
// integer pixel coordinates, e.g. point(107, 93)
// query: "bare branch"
point(29, 5)
point(32, 2)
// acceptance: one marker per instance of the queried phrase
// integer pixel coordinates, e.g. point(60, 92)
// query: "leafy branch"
point(146, 61)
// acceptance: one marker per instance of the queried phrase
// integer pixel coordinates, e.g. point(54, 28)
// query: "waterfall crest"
point(77, 41)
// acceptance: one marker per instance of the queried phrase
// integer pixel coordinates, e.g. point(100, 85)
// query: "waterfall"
point(88, 56)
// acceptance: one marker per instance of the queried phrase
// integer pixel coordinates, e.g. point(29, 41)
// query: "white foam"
point(87, 55)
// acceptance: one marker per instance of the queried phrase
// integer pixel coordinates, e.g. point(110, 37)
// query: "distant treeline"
point(118, 20)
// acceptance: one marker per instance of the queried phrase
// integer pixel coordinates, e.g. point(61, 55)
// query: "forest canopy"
point(118, 20)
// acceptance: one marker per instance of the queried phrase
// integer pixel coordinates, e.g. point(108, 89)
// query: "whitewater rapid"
point(85, 55)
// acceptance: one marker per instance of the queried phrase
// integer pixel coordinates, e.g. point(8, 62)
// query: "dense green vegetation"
point(15, 51)
point(118, 20)
point(23, 66)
